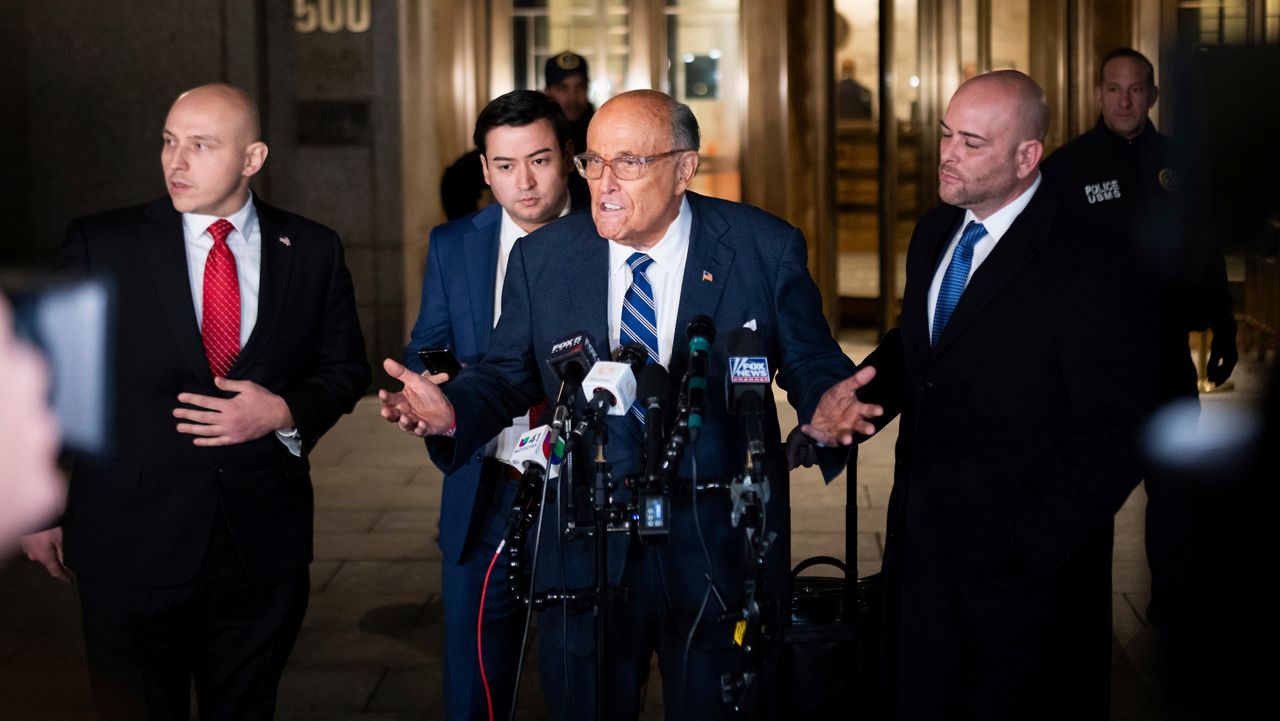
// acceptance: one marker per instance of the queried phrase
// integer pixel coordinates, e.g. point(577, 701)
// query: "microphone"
point(651, 389)
point(701, 334)
point(570, 359)
point(611, 386)
point(535, 452)
point(652, 504)
point(634, 355)
point(538, 455)
point(746, 384)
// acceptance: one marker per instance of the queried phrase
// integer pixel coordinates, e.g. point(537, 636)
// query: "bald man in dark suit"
point(1020, 372)
point(239, 347)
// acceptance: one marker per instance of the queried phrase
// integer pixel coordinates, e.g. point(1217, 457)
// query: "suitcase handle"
point(819, 561)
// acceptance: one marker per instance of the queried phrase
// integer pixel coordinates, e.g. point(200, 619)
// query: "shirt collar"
point(244, 219)
point(1148, 128)
point(510, 231)
point(669, 252)
point(997, 224)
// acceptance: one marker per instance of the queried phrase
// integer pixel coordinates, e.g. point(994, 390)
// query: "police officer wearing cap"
point(568, 84)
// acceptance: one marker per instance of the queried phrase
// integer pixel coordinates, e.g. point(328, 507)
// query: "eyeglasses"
point(624, 167)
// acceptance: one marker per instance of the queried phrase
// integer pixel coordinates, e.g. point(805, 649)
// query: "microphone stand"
point(562, 420)
point(601, 509)
point(604, 596)
point(524, 516)
point(651, 507)
point(604, 511)
point(750, 493)
point(681, 435)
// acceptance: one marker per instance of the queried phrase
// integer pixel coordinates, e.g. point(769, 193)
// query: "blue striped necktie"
point(640, 315)
point(954, 280)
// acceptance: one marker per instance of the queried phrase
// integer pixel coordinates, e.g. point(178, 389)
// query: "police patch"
point(1168, 178)
point(1101, 192)
point(567, 61)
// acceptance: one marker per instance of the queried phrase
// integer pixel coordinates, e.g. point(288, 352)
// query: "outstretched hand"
point(420, 408)
point(840, 414)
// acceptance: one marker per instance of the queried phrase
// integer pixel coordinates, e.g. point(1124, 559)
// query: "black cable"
point(688, 643)
point(706, 555)
point(565, 497)
point(569, 455)
point(528, 615)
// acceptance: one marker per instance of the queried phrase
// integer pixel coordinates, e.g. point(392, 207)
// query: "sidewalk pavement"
point(369, 649)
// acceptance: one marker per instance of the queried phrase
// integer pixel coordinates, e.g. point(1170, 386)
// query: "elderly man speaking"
point(650, 258)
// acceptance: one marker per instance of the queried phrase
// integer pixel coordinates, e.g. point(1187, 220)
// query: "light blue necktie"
point(954, 280)
point(640, 316)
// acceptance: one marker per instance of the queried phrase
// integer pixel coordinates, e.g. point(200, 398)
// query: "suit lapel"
point(164, 251)
point(480, 248)
point(937, 237)
point(1014, 251)
point(589, 287)
point(706, 271)
point(278, 251)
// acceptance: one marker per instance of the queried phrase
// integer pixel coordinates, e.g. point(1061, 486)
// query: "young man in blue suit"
point(523, 139)
point(701, 256)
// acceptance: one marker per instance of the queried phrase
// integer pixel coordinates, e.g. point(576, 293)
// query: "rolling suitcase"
point(831, 641)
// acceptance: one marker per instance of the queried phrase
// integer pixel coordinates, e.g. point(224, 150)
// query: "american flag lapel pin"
point(707, 277)
point(284, 240)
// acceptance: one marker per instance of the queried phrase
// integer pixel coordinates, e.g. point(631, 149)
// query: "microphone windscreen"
point(748, 378)
point(701, 327)
point(653, 382)
point(634, 354)
point(573, 357)
point(745, 342)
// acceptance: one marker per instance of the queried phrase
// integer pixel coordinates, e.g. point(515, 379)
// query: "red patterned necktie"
point(220, 319)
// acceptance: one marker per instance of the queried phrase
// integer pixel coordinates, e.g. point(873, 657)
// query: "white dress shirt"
point(996, 225)
point(245, 243)
point(666, 275)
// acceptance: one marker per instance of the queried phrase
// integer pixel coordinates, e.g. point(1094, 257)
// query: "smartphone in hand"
point(440, 360)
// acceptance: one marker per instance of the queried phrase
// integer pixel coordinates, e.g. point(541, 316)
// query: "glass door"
point(877, 107)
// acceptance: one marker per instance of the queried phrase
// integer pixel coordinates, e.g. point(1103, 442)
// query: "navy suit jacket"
point(144, 516)
point(1015, 450)
point(743, 265)
point(457, 309)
